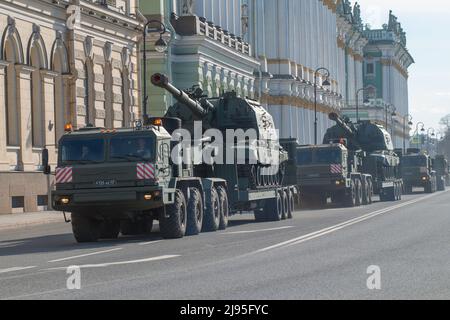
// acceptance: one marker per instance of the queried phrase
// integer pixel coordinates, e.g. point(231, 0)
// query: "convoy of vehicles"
point(116, 181)
point(417, 171)
point(122, 180)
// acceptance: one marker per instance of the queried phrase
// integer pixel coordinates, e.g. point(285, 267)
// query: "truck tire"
point(274, 210)
point(365, 193)
point(194, 213)
point(370, 190)
point(291, 206)
point(211, 217)
point(358, 193)
point(85, 229)
point(285, 203)
point(408, 189)
point(350, 197)
point(110, 229)
point(440, 185)
point(172, 224)
point(224, 208)
point(129, 227)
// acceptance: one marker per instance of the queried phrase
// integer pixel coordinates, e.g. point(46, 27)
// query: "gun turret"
point(349, 132)
point(200, 109)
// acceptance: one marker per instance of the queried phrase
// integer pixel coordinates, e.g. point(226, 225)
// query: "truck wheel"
point(224, 208)
point(365, 193)
point(85, 229)
point(358, 193)
point(173, 223)
point(291, 205)
point(194, 213)
point(408, 189)
point(211, 217)
point(110, 229)
point(274, 210)
point(285, 207)
point(441, 185)
point(370, 192)
point(350, 198)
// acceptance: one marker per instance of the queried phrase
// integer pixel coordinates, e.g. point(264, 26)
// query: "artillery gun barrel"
point(335, 117)
point(161, 81)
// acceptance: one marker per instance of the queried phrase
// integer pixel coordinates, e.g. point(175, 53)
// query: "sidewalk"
point(21, 220)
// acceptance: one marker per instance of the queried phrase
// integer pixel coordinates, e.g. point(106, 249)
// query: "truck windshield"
point(327, 156)
point(414, 162)
point(132, 148)
point(82, 151)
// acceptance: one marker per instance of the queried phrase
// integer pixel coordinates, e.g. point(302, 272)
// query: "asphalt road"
point(322, 254)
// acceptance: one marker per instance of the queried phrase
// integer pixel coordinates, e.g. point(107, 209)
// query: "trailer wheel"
point(85, 229)
point(194, 213)
point(274, 210)
point(358, 193)
point(350, 198)
point(285, 205)
point(110, 229)
point(224, 208)
point(370, 190)
point(291, 205)
point(173, 223)
point(211, 217)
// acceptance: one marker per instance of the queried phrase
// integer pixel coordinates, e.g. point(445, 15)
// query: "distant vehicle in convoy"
point(332, 171)
point(417, 171)
point(373, 146)
point(440, 165)
point(354, 162)
point(121, 180)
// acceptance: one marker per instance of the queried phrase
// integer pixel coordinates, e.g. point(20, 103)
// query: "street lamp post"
point(160, 46)
point(357, 102)
point(429, 137)
point(410, 123)
point(325, 83)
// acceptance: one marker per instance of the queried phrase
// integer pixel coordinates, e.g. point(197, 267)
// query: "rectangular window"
point(17, 202)
point(82, 151)
point(370, 69)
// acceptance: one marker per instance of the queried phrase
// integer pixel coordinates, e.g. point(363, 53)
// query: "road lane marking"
point(15, 269)
point(148, 243)
point(255, 231)
point(342, 225)
point(85, 255)
point(119, 263)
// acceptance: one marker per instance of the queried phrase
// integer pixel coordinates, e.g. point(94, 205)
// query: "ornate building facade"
point(386, 63)
point(60, 61)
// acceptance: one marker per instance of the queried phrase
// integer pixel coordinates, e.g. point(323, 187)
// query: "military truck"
point(417, 171)
point(256, 177)
point(122, 180)
point(332, 171)
point(372, 153)
point(440, 165)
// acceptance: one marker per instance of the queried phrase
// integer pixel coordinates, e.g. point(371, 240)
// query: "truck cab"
point(417, 171)
point(331, 171)
point(121, 180)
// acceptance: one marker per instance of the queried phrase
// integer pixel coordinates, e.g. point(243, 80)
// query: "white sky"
point(427, 24)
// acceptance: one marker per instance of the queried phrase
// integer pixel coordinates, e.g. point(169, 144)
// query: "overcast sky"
point(427, 24)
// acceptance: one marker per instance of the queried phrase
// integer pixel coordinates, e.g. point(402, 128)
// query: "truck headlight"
point(64, 200)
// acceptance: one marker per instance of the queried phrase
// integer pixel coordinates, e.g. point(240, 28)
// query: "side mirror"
point(45, 165)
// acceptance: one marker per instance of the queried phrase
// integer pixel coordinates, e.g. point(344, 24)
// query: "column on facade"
point(4, 163)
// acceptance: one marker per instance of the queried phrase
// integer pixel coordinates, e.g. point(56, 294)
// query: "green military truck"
point(122, 180)
point(332, 171)
point(440, 165)
point(417, 171)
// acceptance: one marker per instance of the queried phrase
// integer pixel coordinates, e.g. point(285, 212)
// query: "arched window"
point(60, 94)
point(37, 102)
point(12, 114)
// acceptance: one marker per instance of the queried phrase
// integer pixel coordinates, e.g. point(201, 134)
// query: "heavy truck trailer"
point(417, 171)
point(121, 180)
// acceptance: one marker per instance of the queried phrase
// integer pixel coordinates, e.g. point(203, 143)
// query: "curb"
point(18, 221)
